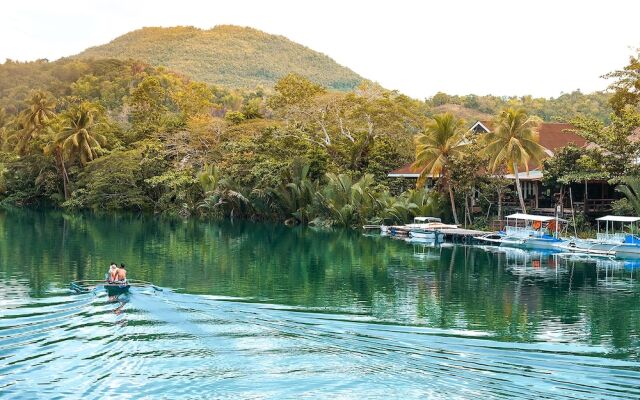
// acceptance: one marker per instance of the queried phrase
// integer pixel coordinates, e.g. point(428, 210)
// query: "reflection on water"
point(257, 310)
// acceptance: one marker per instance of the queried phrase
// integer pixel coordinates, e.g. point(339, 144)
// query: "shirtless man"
point(121, 274)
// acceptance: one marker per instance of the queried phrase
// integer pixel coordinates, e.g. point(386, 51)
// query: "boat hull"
point(114, 289)
point(529, 243)
point(608, 248)
point(426, 235)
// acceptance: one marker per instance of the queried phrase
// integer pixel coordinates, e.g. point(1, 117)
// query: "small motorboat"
point(114, 289)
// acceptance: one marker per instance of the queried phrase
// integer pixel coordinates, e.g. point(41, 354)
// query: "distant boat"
point(426, 234)
point(611, 241)
point(427, 228)
point(536, 232)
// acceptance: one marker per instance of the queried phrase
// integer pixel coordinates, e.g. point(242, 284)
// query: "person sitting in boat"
point(111, 275)
point(121, 274)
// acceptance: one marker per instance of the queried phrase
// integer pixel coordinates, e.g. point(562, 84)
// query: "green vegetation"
point(441, 141)
point(514, 144)
point(125, 135)
point(563, 108)
point(229, 56)
point(110, 134)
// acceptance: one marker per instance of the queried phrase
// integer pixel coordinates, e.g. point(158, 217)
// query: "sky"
point(542, 48)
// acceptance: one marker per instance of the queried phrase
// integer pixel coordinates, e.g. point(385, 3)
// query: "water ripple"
point(157, 344)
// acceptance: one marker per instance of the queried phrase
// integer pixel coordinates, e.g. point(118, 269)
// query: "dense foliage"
point(563, 108)
point(114, 134)
point(229, 56)
point(124, 135)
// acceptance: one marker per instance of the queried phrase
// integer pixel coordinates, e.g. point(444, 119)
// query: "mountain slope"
point(226, 55)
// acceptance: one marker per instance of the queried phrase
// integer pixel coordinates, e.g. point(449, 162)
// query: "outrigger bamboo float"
point(112, 288)
point(611, 241)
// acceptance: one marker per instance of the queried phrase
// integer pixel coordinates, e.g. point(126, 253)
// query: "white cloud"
point(499, 47)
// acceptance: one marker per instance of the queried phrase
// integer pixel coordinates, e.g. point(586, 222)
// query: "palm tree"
point(514, 143)
point(33, 119)
point(78, 137)
point(630, 187)
point(441, 141)
point(221, 195)
point(296, 198)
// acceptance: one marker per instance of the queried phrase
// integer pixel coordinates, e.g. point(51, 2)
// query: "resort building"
point(592, 196)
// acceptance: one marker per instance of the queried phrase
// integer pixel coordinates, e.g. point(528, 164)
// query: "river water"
point(252, 310)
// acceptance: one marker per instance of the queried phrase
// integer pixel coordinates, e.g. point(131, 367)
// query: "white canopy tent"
point(532, 217)
point(615, 218)
point(610, 219)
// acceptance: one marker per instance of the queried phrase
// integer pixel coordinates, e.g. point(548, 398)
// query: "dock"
point(454, 235)
point(460, 235)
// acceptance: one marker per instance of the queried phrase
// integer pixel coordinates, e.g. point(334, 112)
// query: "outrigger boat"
point(425, 228)
point(536, 232)
point(114, 288)
point(610, 242)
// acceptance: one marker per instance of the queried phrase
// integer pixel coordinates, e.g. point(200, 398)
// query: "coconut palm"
point(513, 143)
point(78, 137)
point(441, 141)
point(34, 119)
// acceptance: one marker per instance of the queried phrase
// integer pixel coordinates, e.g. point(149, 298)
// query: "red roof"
point(552, 136)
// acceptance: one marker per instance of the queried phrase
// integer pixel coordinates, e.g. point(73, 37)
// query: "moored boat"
point(622, 242)
point(528, 231)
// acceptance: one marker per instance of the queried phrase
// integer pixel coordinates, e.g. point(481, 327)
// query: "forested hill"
point(230, 56)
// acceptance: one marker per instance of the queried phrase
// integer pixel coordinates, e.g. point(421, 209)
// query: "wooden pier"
point(460, 235)
point(454, 235)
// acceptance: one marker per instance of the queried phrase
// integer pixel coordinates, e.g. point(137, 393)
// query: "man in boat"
point(121, 274)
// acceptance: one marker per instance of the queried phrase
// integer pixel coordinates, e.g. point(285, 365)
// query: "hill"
point(229, 56)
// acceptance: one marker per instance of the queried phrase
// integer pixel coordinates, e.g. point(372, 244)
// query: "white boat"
point(429, 228)
point(622, 242)
point(528, 231)
point(426, 234)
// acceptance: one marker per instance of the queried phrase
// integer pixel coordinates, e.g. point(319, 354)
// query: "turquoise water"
point(252, 310)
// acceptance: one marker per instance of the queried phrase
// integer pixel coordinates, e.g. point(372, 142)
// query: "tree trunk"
point(469, 205)
point(453, 203)
point(65, 176)
point(500, 195)
point(519, 188)
point(561, 201)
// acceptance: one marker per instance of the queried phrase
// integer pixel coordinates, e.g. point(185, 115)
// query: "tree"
point(630, 187)
point(34, 119)
point(614, 138)
point(626, 88)
point(514, 143)
point(441, 141)
point(573, 164)
point(147, 103)
point(78, 137)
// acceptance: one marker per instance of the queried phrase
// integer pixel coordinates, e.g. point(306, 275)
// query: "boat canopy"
point(426, 219)
point(531, 217)
point(616, 218)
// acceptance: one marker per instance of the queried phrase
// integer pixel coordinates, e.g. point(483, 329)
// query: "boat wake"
point(150, 343)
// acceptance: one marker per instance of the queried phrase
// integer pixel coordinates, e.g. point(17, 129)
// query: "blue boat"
point(529, 231)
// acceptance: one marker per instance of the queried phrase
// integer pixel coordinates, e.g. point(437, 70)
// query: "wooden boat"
point(116, 288)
